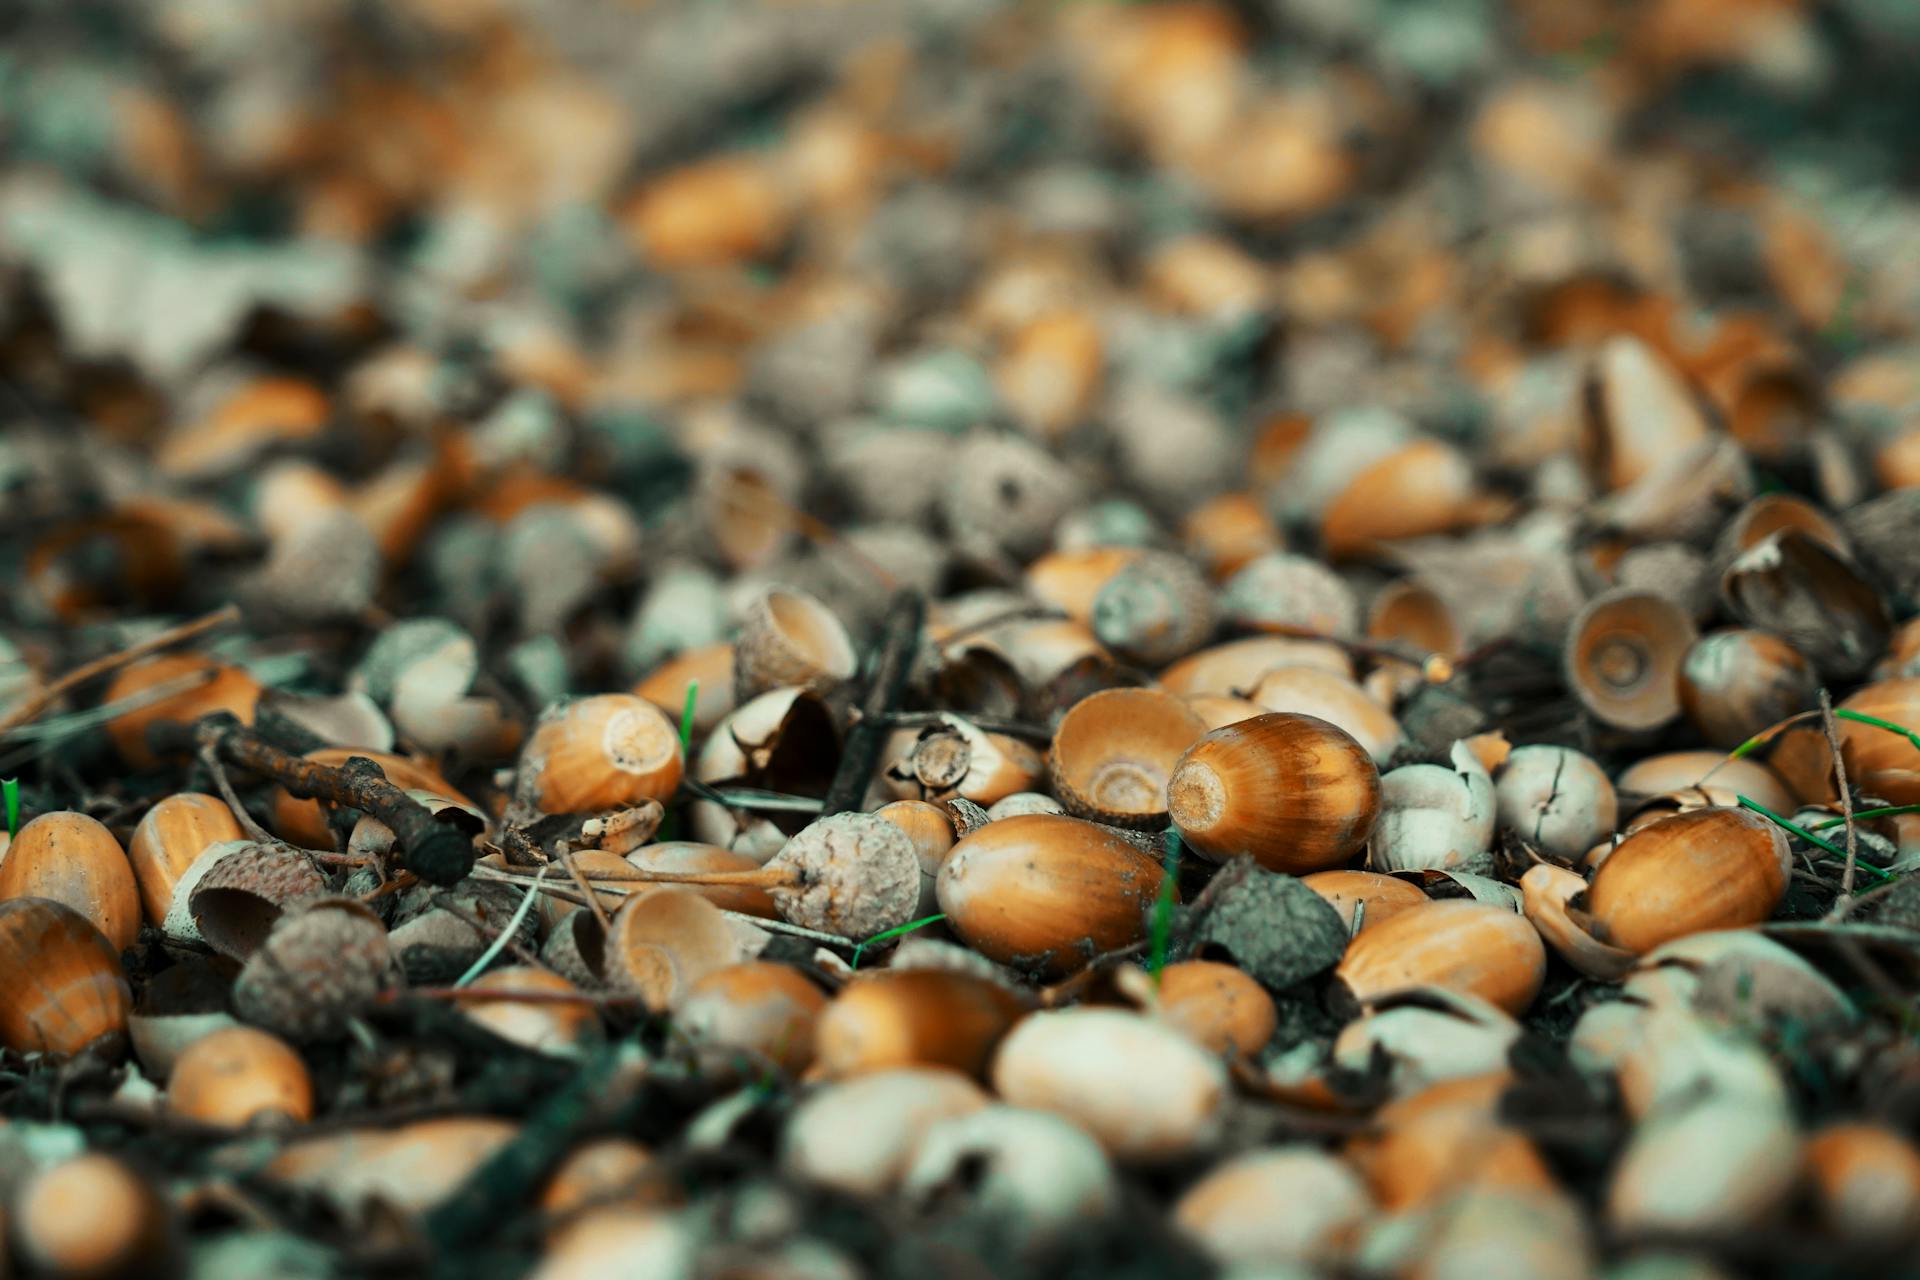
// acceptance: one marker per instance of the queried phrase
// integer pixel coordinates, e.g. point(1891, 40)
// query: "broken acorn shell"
point(755, 1012)
point(608, 751)
point(1047, 892)
point(1458, 945)
point(664, 941)
point(957, 758)
point(790, 638)
point(1295, 792)
point(1623, 657)
point(1706, 869)
point(170, 838)
point(1547, 890)
point(1369, 896)
point(1423, 1036)
point(66, 991)
point(1036, 1173)
point(1736, 682)
point(1432, 816)
point(238, 1077)
point(1278, 1207)
point(206, 686)
point(71, 858)
point(1708, 777)
point(1114, 752)
point(1556, 799)
point(1811, 596)
point(1316, 692)
point(785, 740)
point(914, 1017)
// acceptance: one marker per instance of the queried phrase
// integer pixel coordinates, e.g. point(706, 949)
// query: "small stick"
point(580, 881)
point(225, 787)
point(1843, 903)
point(30, 709)
point(889, 680)
point(987, 724)
point(625, 887)
point(401, 994)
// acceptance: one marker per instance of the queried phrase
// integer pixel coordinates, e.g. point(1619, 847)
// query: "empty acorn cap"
point(663, 942)
point(1623, 658)
point(791, 638)
point(235, 892)
point(1115, 750)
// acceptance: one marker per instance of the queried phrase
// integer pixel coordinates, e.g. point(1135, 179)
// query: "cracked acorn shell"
point(1432, 816)
point(608, 751)
point(70, 858)
point(791, 638)
point(1383, 896)
point(1810, 595)
point(1706, 869)
point(170, 838)
point(1623, 658)
point(1556, 799)
point(1457, 945)
point(914, 1018)
point(1295, 792)
point(784, 740)
point(239, 1076)
point(65, 990)
point(1114, 752)
point(1047, 892)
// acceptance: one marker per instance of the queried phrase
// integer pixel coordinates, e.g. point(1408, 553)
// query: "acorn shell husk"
point(1114, 752)
point(1556, 799)
point(791, 638)
point(1814, 598)
point(1623, 657)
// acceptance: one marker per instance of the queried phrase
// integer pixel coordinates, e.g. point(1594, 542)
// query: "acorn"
point(749, 1014)
point(1157, 608)
point(1556, 799)
point(1420, 488)
point(1425, 1035)
point(240, 1077)
point(1738, 976)
point(603, 752)
point(784, 740)
point(914, 1017)
point(170, 838)
point(1144, 1090)
point(1433, 817)
point(1217, 711)
point(1050, 373)
point(789, 638)
point(1114, 751)
point(202, 686)
point(1295, 792)
point(1458, 945)
point(859, 1135)
point(234, 893)
point(1038, 1173)
point(1070, 581)
point(1707, 869)
point(723, 210)
point(664, 941)
point(562, 1029)
point(1277, 1207)
point(1335, 699)
point(1548, 892)
point(1364, 896)
point(1227, 531)
point(931, 831)
point(1428, 1146)
point(1289, 593)
point(409, 1168)
point(1020, 804)
point(1866, 1184)
point(92, 1217)
point(599, 1172)
point(1812, 597)
point(318, 968)
point(70, 858)
point(957, 758)
point(708, 666)
point(67, 992)
point(1623, 657)
point(1233, 667)
point(1705, 778)
point(1046, 892)
point(1216, 1005)
point(1722, 1165)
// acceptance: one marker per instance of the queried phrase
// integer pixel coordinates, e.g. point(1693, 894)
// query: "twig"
point(30, 709)
point(869, 733)
point(225, 787)
point(580, 881)
point(400, 995)
point(751, 798)
point(1843, 903)
point(987, 724)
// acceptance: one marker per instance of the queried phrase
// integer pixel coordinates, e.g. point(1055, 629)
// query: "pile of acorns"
point(1055, 637)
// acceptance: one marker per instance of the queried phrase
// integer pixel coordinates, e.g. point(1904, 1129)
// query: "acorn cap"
point(320, 966)
point(66, 992)
point(1623, 658)
point(243, 890)
point(1814, 598)
point(1284, 592)
point(791, 638)
point(1114, 752)
point(1155, 609)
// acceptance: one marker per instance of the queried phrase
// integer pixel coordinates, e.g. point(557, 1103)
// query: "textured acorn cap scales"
point(65, 991)
point(914, 1018)
point(791, 638)
point(320, 965)
point(852, 874)
point(234, 893)
point(170, 838)
point(1155, 609)
point(931, 831)
point(239, 1077)
point(1114, 752)
point(592, 754)
point(1623, 658)
point(1295, 792)
point(71, 858)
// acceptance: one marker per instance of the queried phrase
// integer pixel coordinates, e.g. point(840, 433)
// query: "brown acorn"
point(1217, 1005)
point(66, 992)
point(711, 666)
point(1623, 658)
point(563, 1029)
point(1429, 1145)
point(1736, 682)
point(1295, 792)
point(1458, 945)
point(790, 638)
point(203, 686)
point(914, 1018)
point(1814, 598)
point(604, 752)
point(1705, 777)
point(1706, 869)
point(1424, 487)
point(1236, 666)
point(70, 858)
point(1278, 1207)
point(754, 1011)
point(932, 833)
point(239, 1077)
point(92, 1217)
point(1114, 752)
point(1047, 892)
point(1227, 531)
point(601, 1171)
point(1641, 416)
point(170, 838)
point(1866, 1184)
point(1312, 691)
point(686, 855)
point(1381, 896)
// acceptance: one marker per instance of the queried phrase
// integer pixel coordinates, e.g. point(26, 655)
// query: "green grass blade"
point(12, 788)
point(894, 932)
point(1859, 717)
point(1163, 909)
point(1747, 802)
point(686, 718)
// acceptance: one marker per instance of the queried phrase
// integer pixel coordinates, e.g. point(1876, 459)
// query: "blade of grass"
point(686, 718)
point(1162, 928)
point(1859, 717)
point(505, 936)
point(1747, 802)
point(894, 932)
point(1888, 812)
point(12, 788)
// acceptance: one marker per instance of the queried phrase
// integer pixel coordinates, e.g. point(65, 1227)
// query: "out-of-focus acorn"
point(914, 1018)
point(1623, 658)
point(664, 941)
point(1409, 613)
point(239, 1077)
point(1114, 752)
point(1702, 777)
point(1142, 1088)
point(409, 1168)
point(1811, 596)
point(1736, 682)
point(790, 638)
point(1457, 945)
point(1866, 1184)
point(1707, 869)
point(1368, 896)
point(1217, 1005)
point(1036, 1171)
point(1050, 374)
point(92, 1218)
point(1428, 1146)
point(1285, 1206)
point(1071, 581)
point(1556, 799)
point(559, 1027)
point(1217, 711)
point(602, 1171)
point(727, 209)
point(1021, 804)
point(711, 667)
point(1284, 592)
point(70, 858)
point(957, 758)
point(1640, 414)
point(1227, 532)
point(203, 686)
point(1705, 1170)
point(597, 753)
point(67, 992)
point(1047, 892)
point(1295, 792)
point(1154, 610)
point(170, 838)
point(1311, 691)
point(859, 1135)
point(1738, 977)
point(1424, 487)
point(747, 1015)
point(1433, 817)
point(1234, 667)
point(1423, 1036)
point(319, 967)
